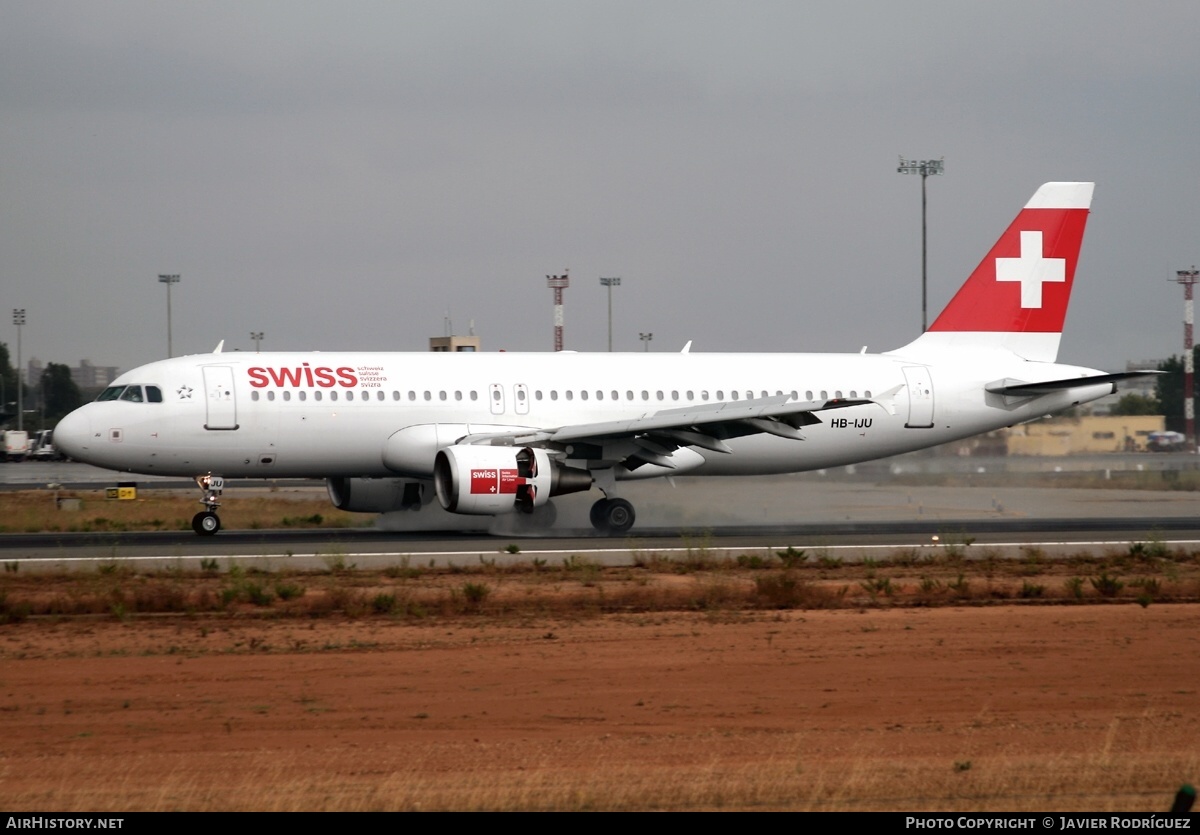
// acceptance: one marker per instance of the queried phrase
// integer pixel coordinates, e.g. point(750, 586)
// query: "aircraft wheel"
point(615, 516)
point(206, 523)
point(596, 514)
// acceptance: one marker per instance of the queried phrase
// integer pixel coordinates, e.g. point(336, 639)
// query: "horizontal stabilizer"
point(1016, 388)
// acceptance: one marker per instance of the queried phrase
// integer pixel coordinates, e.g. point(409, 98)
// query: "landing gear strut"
point(612, 517)
point(206, 522)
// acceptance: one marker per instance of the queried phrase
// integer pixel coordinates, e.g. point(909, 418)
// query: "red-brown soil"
point(1065, 707)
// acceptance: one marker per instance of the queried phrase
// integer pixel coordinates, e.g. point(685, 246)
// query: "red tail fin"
point(1017, 297)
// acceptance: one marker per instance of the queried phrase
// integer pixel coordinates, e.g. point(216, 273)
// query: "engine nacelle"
point(376, 495)
point(490, 480)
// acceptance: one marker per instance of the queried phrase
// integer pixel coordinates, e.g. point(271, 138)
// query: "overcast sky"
point(342, 175)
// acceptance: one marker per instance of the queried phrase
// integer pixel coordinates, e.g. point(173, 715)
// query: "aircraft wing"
point(655, 435)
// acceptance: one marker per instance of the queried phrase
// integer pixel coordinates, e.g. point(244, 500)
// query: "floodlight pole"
point(610, 283)
point(645, 337)
point(925, 168)
point(558, 283)
point(168, 280)
point(19, 321)
point(1188, 279)
point(257, 336)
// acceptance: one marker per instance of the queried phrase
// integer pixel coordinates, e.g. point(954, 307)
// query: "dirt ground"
point(1065, 707)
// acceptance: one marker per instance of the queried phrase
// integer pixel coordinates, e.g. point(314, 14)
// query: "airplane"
point(492, 434)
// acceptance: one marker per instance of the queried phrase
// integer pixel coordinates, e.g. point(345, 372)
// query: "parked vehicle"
point(16, 444)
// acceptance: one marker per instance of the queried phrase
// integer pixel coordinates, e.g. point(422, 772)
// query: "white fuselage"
point(331, 415)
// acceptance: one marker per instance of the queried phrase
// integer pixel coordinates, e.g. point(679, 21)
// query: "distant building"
point(85, 375)
point(1081, 435)
point(454, 343)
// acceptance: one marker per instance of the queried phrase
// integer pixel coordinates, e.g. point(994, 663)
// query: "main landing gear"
point(612, 517)
point(206, 522)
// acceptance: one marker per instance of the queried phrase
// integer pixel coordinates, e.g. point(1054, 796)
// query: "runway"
point(844, 515)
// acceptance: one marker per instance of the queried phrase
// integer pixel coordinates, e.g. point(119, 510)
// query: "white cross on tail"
point(1031, 269)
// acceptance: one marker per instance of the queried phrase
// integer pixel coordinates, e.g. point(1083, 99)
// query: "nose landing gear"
point(206, 522)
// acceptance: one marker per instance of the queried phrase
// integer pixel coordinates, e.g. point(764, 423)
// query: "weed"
point(878, 586)
point(752, 561)
point(384, 604)
point(791, 558)
point(510, 548)
point(289, 591)
point(12, 567)
point(1074, 586)
point(962, 765)
point(1107, 585)
point(475, 594)
point(961, 586)
point(931, 585)
point(258, 595)
point(1030, 590)
point(208, 565)
point(402, 571)
point(335, 563)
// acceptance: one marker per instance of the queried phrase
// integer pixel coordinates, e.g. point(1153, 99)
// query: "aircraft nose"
point(73, 434)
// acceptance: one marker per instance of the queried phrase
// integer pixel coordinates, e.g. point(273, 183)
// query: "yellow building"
point(1077, 435)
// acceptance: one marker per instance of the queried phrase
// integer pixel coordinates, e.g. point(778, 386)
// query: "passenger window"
point(254, 394)
point(412, 395)
point(554, 394)
point(674, 395)
point(442, 395)
point(395, 395)
point(808, 395)
point(824, 394)
point(867, 393)
point(570, 394)
point(316, 395)
point(333, 395)
point(583, 395)
point(645, 395)
point(287, 395)
point(690, 397)
point(270, 395)
point(474, 396)
point(628, 395)
point(704, 395)
point(734, 395)
point(429, 396)
point(537, 395)
point(302, 395)
point(349, 395)
point(458, 395)
point(720, 394)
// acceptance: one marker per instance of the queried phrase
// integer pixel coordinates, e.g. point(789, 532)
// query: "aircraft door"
point(920, 397)
point(521, 396)
point(219, 397)
point(496, 398)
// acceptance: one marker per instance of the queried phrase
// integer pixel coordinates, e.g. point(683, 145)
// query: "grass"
point(584, 588)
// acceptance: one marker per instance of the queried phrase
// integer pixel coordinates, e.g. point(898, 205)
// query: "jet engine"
point(375, 495)
point(490, 480)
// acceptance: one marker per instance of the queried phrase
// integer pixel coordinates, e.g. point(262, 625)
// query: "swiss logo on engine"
point(495, 481)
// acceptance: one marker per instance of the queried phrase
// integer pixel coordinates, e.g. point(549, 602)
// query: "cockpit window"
point(153, 394)
point(110, 393)
point(133, 394)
